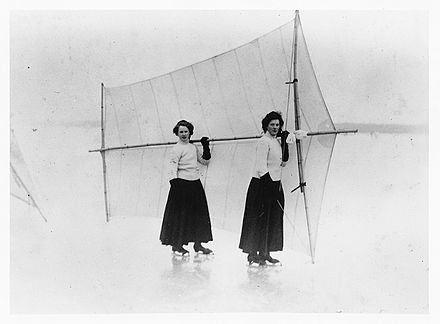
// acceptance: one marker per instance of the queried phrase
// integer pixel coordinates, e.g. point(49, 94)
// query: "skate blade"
point(255, 265)
point(278, 264)
point(207, 254)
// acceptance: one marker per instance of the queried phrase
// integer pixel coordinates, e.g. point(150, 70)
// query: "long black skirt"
point(262, 229)
point(186, 217)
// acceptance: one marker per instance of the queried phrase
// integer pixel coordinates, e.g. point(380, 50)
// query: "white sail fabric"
point(224, 96)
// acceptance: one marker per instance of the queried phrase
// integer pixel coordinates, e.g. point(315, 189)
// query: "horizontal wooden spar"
point(337, 131)
point(227, 139)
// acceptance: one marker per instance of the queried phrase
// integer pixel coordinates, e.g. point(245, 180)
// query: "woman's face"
point(273, 127)
point(183, 133)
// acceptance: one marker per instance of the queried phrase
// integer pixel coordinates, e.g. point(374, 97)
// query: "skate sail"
point(225, 97)
point(313, 153)
point(20, 183)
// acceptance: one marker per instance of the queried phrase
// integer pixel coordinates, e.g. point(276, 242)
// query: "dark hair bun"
point(185, 123)
point(272, 116)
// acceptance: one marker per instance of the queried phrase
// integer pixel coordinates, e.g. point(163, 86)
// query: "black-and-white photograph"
point(219, 161)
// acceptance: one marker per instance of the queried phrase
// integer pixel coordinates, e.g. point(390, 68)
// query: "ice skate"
point(179, 250)
point(200, 248)
point(269, 259)
point(254, 258)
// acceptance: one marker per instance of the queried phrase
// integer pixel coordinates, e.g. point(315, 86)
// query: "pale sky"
point(372, 66)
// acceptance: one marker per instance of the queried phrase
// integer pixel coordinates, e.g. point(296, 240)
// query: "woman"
point(186, 218)
point(262, 230)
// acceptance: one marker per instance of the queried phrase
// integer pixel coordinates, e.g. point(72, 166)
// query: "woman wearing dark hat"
point(262, 229)
point(186, 217)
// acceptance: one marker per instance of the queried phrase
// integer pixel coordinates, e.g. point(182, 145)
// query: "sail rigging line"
point(307, 151)
point(23, 200)
point(116, 118)
point(284, 53)
point(121, 156)
point(16, 178)
point(222, 95)
point(200, 101)
point(165, 153)
point(157, 108)
point(295, 227)
point(309, 145)
point(325, 181)
point(27, 191)
point(244, 90)
point(136, 115)
point(20, 184)
point(139, 181)
point(291, 223)
point(176, 95)
point(265, 73)
point(303, 117)
point(228, 182)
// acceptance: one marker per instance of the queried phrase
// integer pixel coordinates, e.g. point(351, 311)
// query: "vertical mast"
point(104, 166)
point(302, 183)
point(296, 102)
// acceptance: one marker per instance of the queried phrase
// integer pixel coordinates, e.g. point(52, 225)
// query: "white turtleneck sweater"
point(269, 156)
point(183, 160)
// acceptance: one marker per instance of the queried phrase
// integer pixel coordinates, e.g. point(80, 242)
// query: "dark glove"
point(284, 135)
point(206, 151)
point(285, 146)
point(269, 186)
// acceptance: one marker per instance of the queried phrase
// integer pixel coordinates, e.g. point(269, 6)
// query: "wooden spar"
point(283, 147)
point(228, 139)
point(296, 101)
point(104, 165)
point(102, 116)
point(172, 143)
point(298, 127)
point(337, 131)
point(312, 252)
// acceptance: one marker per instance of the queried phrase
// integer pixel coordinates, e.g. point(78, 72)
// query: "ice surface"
point(372, 250)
